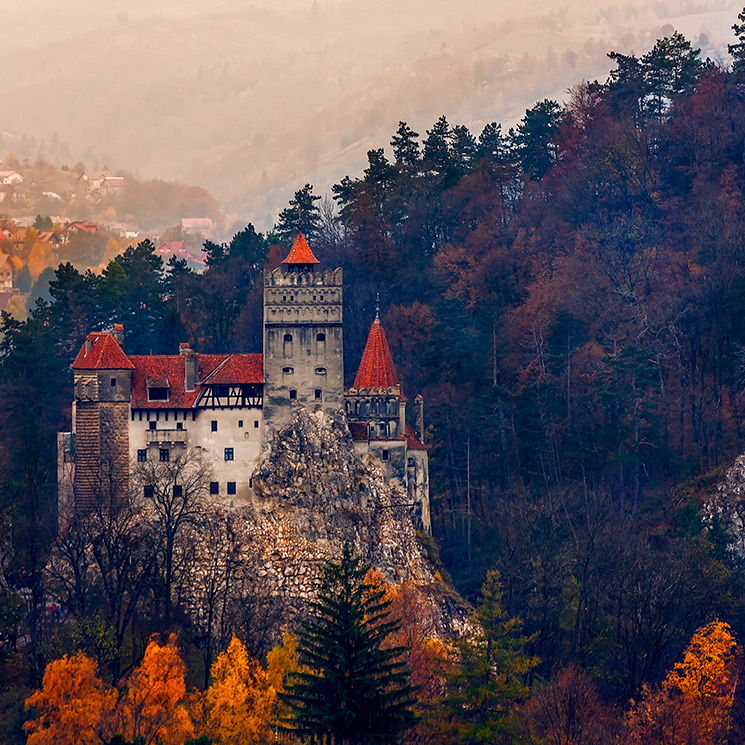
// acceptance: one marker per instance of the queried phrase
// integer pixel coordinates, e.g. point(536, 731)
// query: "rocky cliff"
point(313, 493)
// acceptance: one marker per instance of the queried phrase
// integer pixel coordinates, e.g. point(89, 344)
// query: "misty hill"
point(252, 101)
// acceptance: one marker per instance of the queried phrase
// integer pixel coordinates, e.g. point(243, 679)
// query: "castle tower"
point(303, 343)
point(99, 446)
point(376, 410)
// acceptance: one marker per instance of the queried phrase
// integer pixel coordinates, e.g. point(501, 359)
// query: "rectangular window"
point(152, 425)
point(385, 455)
point(178, 491)
point(165, 455)
point(149, 491)
point(113, 382)
point(293, 395)
point(179, 425)
point(240, 423)
point(228, 453)
point(319, 394)
point(214, 426)
point(256, 423)
point(141, 456)
point(231, 487)
point(214, 487)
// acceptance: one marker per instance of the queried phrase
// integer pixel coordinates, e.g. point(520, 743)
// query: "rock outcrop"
point(728, 505)
point(313, 493)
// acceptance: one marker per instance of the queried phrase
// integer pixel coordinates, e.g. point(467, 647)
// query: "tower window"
point(113, 382)
point(321, 337)
point(288, 338)
point(231, 487)
point(293, 395)
point(213, 425)
point(178, 491)
point(214, 487)
point(385, 454)
point(149, 491)
point(256, 423)
point(152, 425)
point(165, 455)
point(288, 370)
point(141, 456)
point(179, 425)
point(228, 453)
point(318, 394)
point(320, 371)
point(240, 423)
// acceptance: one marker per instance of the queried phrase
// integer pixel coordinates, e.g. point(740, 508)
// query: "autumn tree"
point(694, 702)
point(73, 705)
point(154, 706)
point(354, 689)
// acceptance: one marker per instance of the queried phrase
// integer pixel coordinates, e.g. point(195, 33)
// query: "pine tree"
point(353, 690)
point(302, 214)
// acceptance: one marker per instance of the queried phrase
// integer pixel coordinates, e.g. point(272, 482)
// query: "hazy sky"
point(254, 99)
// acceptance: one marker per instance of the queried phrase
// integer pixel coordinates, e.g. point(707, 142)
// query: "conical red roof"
point(100, 351)
point(376, 368)
point(300, 252)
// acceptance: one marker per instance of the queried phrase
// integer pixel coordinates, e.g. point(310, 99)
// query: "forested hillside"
point(569, 297)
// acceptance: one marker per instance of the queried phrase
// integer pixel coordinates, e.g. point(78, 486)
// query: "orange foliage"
point(694, 702)
point(154, 706)
point(72, 704)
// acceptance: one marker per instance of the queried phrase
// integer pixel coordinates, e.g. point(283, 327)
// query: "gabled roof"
point(168, 371)
point(300, 252)
point(100, 351)
point(376, 368)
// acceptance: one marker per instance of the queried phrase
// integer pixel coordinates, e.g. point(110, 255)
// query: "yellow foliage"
point(17, 308)
point(154, 705)
point(72, 704)
point(37, 260)
point(241, 704)
point(695, 700)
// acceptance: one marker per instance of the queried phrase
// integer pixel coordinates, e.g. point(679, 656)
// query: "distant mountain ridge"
point(251, 102)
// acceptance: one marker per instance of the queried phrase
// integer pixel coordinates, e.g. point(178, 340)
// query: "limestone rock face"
point(313, 493)
point(729, 504)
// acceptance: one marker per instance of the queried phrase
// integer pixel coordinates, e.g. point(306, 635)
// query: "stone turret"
point(102, 377)
point(303, 339)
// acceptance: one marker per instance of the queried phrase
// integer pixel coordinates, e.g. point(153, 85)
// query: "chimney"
point(191, 366)
point(419, 409)
point(119, 333)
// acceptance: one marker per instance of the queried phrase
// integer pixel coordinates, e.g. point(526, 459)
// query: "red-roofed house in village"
point(130, 409)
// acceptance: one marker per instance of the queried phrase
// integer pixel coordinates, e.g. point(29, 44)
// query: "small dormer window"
point(158, 389)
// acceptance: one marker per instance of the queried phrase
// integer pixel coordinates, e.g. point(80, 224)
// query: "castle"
point(226, 408)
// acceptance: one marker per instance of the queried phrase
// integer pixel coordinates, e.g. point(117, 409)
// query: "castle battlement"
point(281, 277)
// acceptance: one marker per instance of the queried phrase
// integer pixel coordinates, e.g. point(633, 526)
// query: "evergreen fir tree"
point(302, 214)
point(353, 690)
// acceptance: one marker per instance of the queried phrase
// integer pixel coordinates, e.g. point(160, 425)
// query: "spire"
point(376, 368)
point(300, 254)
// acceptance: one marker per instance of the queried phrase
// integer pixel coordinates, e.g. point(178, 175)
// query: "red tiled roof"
point(412, 441)
point(5, 299)
point(359, 430)
point(214, 369)
point(243, 368)
point(100, 351)
point(376, 368)
point(300, 252)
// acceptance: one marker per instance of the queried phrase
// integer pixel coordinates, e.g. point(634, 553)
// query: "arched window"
point(287, 345)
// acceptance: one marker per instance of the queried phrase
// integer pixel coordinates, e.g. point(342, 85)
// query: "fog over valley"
point(251, 101)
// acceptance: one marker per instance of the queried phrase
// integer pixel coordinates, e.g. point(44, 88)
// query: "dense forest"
point(569, 297)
